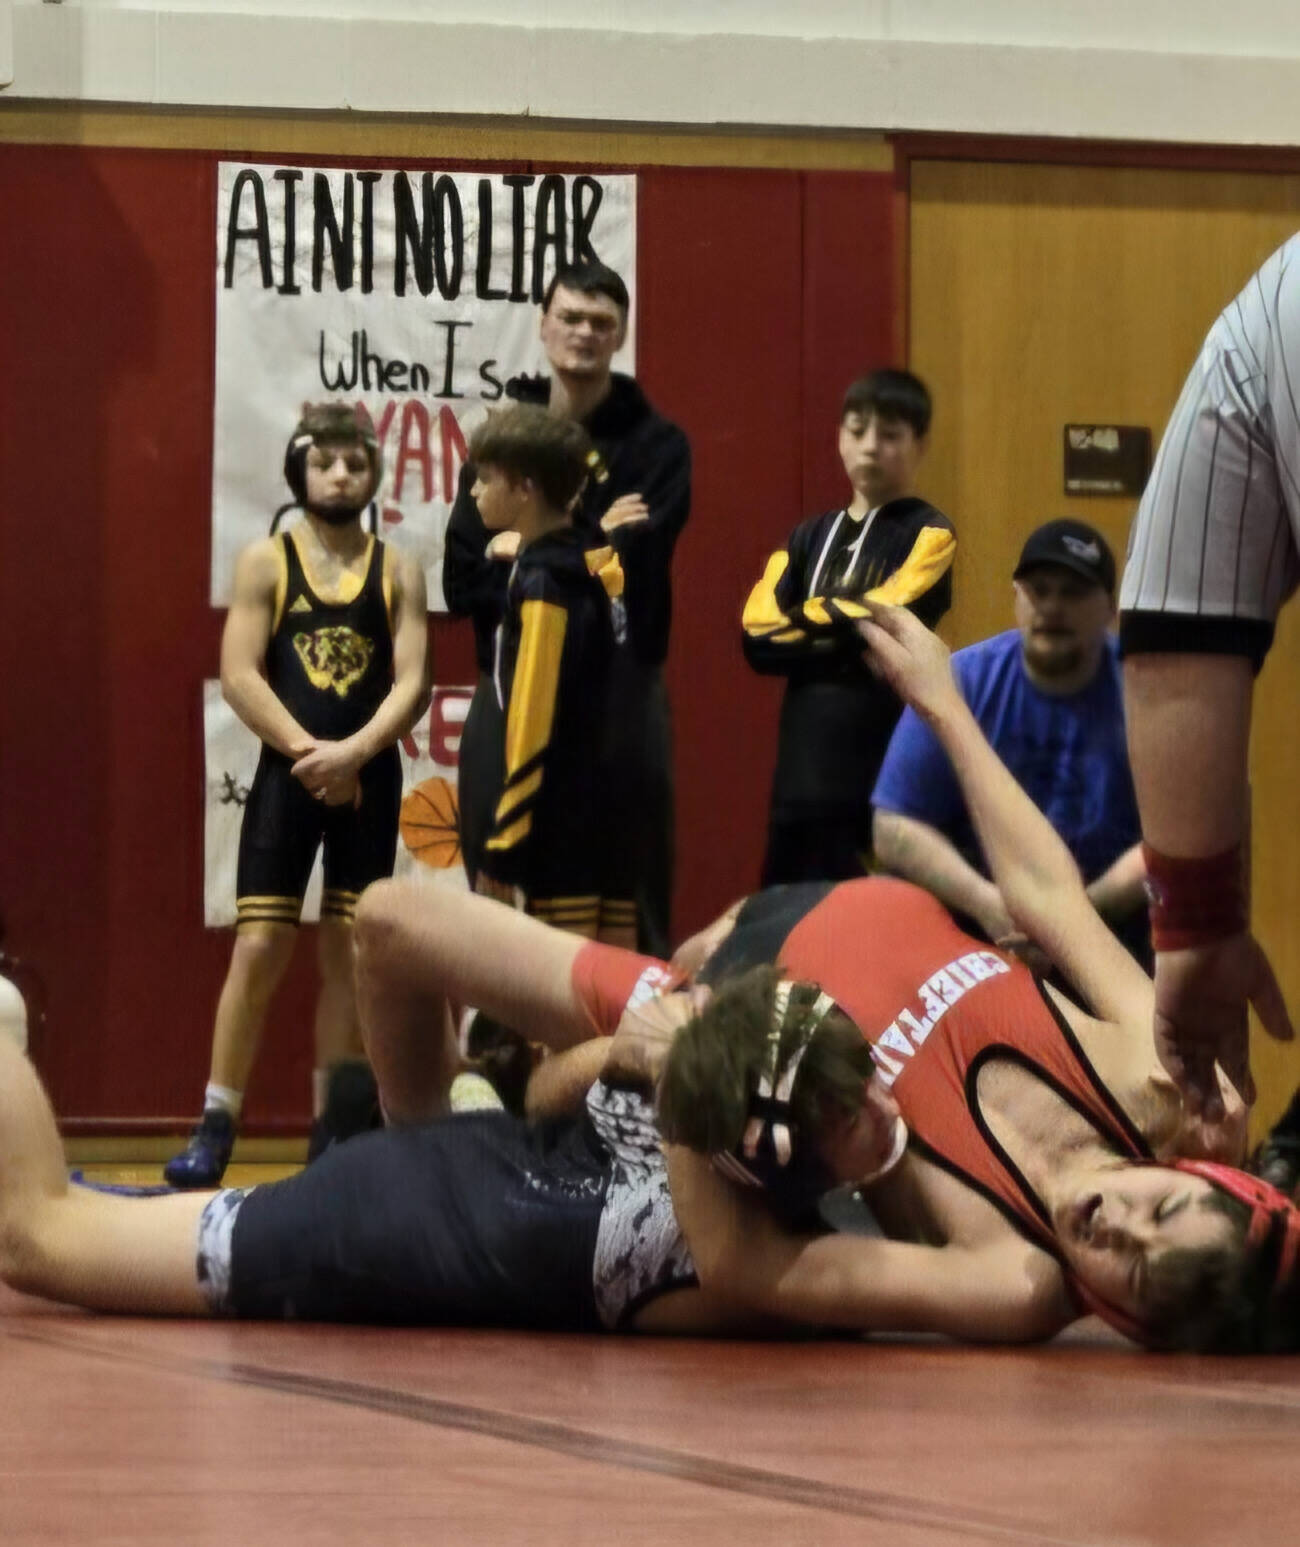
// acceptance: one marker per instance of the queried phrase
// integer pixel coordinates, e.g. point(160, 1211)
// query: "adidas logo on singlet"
point(301, 605)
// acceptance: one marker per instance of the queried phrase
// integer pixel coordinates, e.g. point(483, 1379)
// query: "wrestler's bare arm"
point(692, 954)
point(244, 642)
point(635, 1053)
point(905, 846)
point(1005, 1291)
point(1034, 871)
point(559, 1084)
point(1189, 738)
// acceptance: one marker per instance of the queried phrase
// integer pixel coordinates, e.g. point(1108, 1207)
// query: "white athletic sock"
point(222, 1096)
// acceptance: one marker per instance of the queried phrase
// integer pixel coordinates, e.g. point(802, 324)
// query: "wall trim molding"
point(448, 138)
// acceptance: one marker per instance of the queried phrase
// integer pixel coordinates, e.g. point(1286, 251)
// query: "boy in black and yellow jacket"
point(550, 846)
point(836, 718)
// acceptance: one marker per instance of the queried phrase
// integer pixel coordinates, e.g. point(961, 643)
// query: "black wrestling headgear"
point(769, 1155)
point(330, 424)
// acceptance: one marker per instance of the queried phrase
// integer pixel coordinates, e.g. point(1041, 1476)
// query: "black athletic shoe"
point(351, 1107)
point(1277, 1160)
point(502, 1057)
point(203, 1161)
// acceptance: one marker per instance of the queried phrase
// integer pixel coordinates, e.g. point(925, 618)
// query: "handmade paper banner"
point(412, 293)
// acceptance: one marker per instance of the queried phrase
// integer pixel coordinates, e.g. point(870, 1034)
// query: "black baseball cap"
point(1070, 545)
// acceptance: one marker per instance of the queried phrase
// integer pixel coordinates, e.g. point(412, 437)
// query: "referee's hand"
point(1203, 997)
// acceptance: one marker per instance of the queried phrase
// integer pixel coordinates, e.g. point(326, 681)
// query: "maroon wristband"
point(1194, 902)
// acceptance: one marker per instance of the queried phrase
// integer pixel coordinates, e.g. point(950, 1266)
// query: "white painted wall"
point(1177, 70)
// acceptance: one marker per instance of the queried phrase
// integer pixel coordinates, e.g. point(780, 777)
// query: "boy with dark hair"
point(636, 500)
point(836, 718)
point(549, 841)
point(589, 278)
point(894, 395)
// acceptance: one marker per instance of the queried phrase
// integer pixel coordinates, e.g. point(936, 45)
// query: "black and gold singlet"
point(330, 663)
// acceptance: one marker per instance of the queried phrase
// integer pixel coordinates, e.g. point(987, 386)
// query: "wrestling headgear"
point(330, 424)
point(769, 1154)
point(766, 1146)
point(1269, 1208)
point(1272, 1216)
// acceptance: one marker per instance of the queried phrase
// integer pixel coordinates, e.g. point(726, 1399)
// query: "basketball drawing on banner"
point(428, 823)
point(414, 294)
point(428, 846)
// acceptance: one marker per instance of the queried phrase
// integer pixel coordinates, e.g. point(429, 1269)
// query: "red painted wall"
point(761, 294)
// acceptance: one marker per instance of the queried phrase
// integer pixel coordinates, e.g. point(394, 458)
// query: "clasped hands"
point(329, 771)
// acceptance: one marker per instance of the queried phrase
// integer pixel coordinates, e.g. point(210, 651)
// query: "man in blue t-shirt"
point(1048, 696)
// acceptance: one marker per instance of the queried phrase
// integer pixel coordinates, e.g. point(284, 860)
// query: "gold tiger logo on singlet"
point(334, 658)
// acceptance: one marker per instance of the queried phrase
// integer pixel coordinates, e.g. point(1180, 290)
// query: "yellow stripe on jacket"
point(530, 715)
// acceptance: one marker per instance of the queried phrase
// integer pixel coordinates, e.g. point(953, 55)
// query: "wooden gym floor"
point(132, 1432)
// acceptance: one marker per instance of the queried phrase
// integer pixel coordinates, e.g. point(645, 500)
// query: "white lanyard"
point(854, 550)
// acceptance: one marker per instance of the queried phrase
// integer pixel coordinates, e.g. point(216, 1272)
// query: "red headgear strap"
point(1266, 1204)
point(1122, 1322)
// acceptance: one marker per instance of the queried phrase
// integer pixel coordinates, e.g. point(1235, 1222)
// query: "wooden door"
point(1046, 295)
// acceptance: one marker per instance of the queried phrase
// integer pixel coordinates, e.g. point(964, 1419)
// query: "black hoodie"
point(640, 453)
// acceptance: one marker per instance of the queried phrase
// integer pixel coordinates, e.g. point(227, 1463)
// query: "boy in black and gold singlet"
point(323, 657)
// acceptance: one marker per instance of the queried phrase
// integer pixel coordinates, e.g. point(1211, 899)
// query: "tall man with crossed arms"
point(636, 500)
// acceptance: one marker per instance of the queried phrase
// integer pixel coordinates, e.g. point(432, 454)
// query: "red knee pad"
point(607, 980)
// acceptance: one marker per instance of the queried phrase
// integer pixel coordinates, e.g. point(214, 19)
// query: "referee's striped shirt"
point(1215, 545)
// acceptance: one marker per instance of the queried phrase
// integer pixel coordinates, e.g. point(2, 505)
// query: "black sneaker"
point(351, 1107)
point(1277, 1160)
point(204, 1159)
point(504, 1059)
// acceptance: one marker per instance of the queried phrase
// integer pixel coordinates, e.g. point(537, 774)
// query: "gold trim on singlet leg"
point(338, 904)
point(574, 915)
point(617, 924)
point(268, 910)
